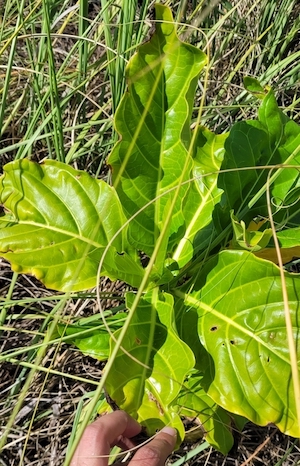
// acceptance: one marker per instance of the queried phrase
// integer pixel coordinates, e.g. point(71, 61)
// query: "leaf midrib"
point(64, 232)
point(195, 303)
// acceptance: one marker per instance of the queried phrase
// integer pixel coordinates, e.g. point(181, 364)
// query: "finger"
point(156, 452)
point(101, 435)
point(126, 443)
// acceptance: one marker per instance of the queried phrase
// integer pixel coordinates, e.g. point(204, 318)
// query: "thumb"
point(157, 450)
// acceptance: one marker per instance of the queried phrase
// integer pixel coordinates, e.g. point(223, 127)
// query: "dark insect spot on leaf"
point(144, 258)
point(268, 359)
point(120, 253)
point(214, 328)
point(138, 341)
point(232, 342)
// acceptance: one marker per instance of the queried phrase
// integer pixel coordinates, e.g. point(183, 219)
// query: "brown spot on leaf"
point(158, 405)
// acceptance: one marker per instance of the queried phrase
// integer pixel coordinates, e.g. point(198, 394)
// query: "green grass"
point(62, 76)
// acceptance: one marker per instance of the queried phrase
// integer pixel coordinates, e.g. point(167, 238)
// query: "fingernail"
point(169, 431)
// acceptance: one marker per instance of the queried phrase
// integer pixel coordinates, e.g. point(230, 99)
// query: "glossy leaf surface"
point(59, 221)
point(270, 140)
point(289, 238)
point(92, 338)
point(215, 423)
point(203, 194)
point(241, 324)
point(147, 386)
point(153, 155)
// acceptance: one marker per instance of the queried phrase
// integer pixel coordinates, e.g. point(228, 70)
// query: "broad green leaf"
point(58, 223)
point(187, 328)
point(252, 85)
point(126, 267)
point(147, 385)
point(272, 139)
point(239, 179)
point(153, 156)
point(241, 324)
point(289, 238)
point(194, 403)
point(203, 193)
point(90, 341)
point(244, 148)
point(284, 139)
point(93, 339)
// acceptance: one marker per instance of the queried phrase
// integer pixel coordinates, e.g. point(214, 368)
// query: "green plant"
point(209, 332)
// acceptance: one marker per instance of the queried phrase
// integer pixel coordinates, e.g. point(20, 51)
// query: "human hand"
point(118, 428)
